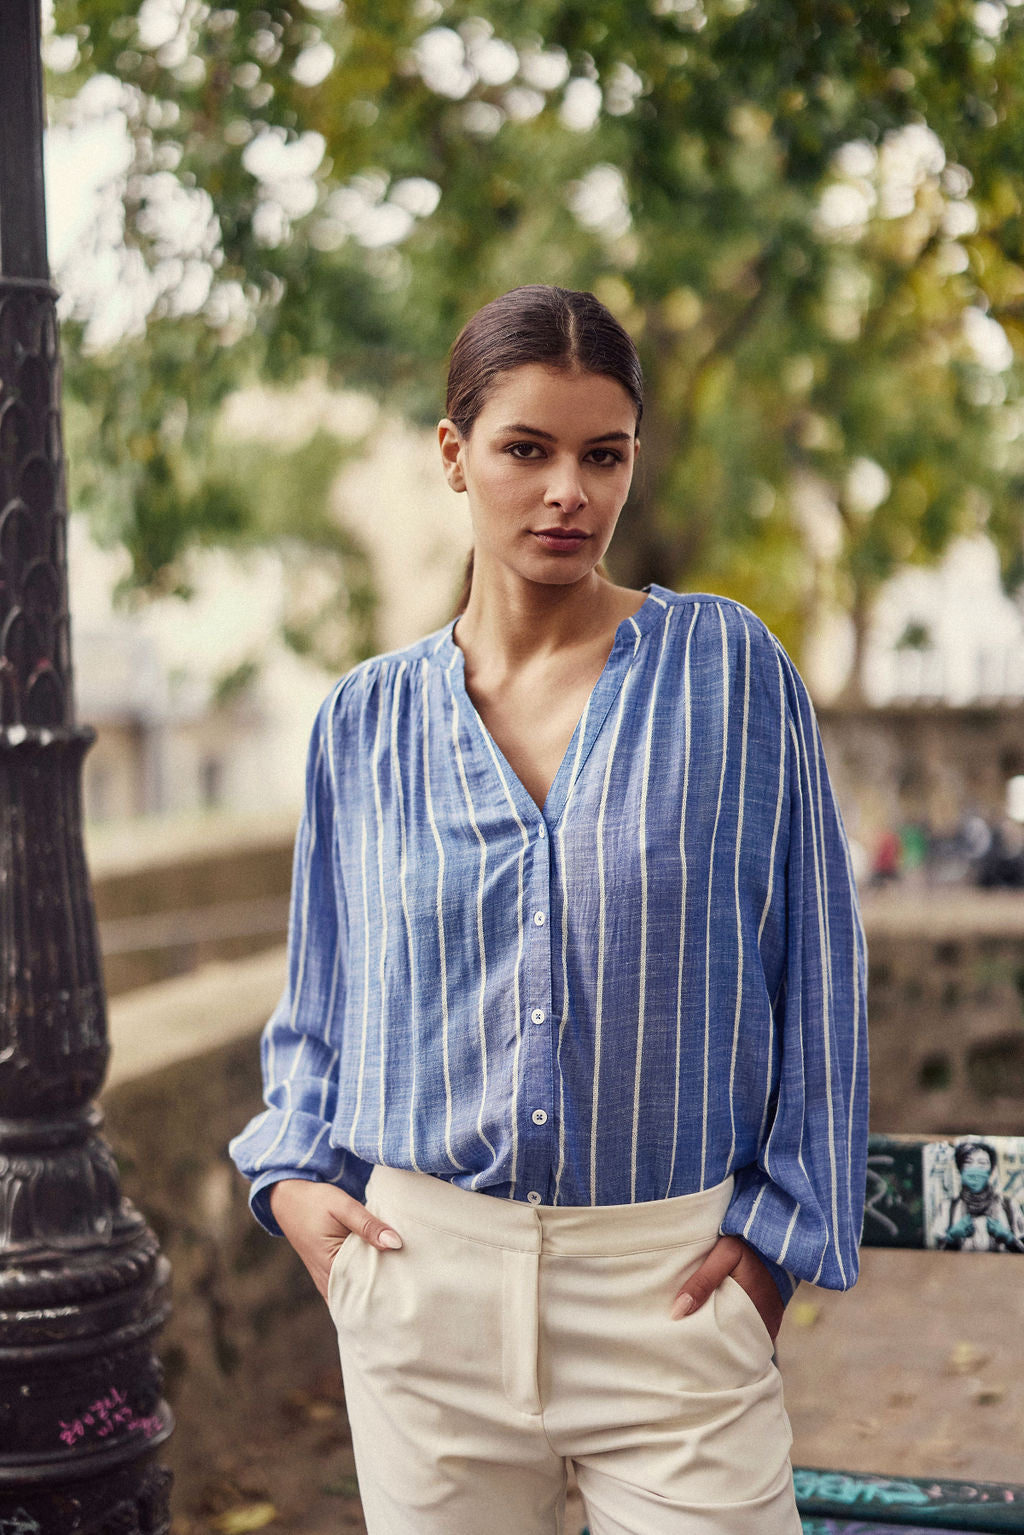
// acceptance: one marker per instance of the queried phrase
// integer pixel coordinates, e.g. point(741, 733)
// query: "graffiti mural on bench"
point(965, 1194)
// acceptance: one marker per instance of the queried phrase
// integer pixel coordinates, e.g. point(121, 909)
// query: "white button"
point(542, 831)
point(537, 1016)
point(538, 918)
point(539, 1117)
point(533, 1197)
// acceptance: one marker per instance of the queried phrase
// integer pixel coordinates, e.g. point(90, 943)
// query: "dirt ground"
point(919, 1371)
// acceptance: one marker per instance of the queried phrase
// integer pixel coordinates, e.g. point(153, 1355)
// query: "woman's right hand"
point(317, 1217)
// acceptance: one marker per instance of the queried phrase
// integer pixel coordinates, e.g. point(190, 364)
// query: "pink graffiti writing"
point(109, 1414)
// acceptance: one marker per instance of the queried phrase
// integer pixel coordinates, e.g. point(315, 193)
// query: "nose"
point(565, 489)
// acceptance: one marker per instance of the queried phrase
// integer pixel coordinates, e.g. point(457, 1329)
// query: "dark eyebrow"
point(533, 431)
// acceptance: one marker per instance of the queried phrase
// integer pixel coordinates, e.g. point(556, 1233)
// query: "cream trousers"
point(505, 1341)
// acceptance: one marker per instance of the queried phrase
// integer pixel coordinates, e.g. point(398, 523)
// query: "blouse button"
point(533, 1197)
point(542, 831)
point(538, 918)
point(537, 1016)
point(539, 1117)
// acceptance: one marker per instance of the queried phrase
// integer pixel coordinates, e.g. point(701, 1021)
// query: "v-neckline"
point(627, 637)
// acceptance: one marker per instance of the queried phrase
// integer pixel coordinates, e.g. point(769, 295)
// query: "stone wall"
point(946, 1005)
point(921, 762)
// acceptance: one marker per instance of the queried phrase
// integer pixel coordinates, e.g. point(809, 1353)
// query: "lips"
point(561, 540)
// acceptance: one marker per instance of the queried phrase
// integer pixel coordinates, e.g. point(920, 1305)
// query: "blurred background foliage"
point(810, 214)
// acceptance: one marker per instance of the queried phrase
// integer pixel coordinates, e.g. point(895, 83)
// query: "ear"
point(450, 441)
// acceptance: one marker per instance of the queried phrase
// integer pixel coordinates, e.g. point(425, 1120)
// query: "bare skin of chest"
point(532, 715)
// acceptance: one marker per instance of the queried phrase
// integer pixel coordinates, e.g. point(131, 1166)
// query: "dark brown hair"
point(963, 1150)
point(557, 327)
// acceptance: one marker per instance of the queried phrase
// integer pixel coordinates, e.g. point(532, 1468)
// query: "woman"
point(980, 1218)
point(568, 1086)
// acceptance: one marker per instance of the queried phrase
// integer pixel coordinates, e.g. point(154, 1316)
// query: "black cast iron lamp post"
point(82, 1284)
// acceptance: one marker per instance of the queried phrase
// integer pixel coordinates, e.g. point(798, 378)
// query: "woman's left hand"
point(731, 1255)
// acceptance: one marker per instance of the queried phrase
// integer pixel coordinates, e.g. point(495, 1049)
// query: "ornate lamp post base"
point(83, 1289)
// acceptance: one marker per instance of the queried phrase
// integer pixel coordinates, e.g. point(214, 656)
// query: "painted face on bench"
point(976, 1171)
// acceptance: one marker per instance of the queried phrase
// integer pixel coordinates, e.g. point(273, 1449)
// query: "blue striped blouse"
point(653, 984)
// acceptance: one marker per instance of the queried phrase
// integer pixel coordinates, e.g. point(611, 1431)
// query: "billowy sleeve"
point(299, 1050)
point(801, 1205)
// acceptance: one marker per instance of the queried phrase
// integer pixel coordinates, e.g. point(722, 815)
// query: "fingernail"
point(683, 1306)
point(390, 1239)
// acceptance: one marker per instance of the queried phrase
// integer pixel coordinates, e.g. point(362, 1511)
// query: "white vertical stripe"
point(794, 1008)
point(683, 873)
point(517, 1001)
point(443, 957)
point(855, 1009)
point(794, 1022)
point(711, 883)
point(563, 1021)
point(826, 988)
point(286, 1119)
point(398, 776)
point(642, 978)
point(739, 910)
point(778, 802)
point(768, 1073)
point(749, 1222)
point(383, 936)
point(602, 897)
point(325, 1087)
point(305, 1161)
point(781, 1259)
point(822, 842)
point(366, 982)
point(831, 995)
point(304, 900)
point(332, 995)
point(770, 892)
point(480, 941)
point(297, 1057)
point(581, 736)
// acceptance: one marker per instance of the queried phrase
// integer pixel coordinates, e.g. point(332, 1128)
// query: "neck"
point(511, 622)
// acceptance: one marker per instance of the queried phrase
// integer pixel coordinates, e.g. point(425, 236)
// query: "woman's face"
point(976, 1171)
point(547, 468)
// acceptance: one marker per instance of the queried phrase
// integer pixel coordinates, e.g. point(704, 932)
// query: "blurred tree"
point(809, 213)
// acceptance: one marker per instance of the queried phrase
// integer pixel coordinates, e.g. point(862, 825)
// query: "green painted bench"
point(915, 1198)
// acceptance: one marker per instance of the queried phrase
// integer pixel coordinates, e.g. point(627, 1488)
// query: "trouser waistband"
point(557, 1230)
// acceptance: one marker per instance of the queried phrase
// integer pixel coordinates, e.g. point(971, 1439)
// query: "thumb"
point(704, 1281)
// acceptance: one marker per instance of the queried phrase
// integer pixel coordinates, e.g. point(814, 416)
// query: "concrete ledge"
point(155, 842)
point(935, 915)
point(176, 1020)
point(172, 897)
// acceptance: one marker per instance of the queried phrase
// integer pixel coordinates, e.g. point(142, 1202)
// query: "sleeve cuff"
point(762, 1215)
point(352, 1178)
point(259, 1198)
